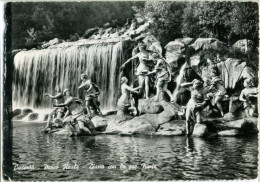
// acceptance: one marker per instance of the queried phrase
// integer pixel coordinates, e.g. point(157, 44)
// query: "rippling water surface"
point(176, 158)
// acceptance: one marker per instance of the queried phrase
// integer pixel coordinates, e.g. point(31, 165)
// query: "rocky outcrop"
point(231, 72)
point(174, 52)
point(20, 114)
point(144, 124)
point(208, 43)
point(148, 106)
point(171, 128)
point(244, 45)
point(52, 42)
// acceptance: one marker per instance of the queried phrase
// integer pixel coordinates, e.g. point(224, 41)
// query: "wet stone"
point(233, 132)
point(33, 116)
point(200, 130)
point(16, 112)
point(27, 111)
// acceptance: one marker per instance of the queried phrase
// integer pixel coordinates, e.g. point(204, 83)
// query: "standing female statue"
point(146, 62)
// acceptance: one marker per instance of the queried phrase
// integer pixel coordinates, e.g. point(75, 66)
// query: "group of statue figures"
point(72, 109)
point(152, 69)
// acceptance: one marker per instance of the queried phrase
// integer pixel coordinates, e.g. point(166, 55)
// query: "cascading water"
point(38, 71)
point(178, 81)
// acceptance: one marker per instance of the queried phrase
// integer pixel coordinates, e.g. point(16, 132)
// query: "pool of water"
point(112, 157)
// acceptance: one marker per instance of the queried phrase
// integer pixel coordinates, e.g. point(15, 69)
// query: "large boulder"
point(154, 44)
point(174, 52)
point(172, 128)
point(146, 124)
point(246, 125)
point(148, 106)
point(100, 123)
point(208, 43)
point(244, 45)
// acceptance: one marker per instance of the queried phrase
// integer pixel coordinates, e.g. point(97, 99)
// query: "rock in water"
point(146, 124)
point(26, 111)
point(45, 117)
point(100, 123)
point(16, 112)
point(33, 116)
point(172, 128)
point(200, 130)
point(19, 117)
point(233, 132)
point(175, 132)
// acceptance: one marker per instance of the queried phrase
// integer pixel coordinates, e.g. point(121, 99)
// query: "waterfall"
point(37, 72)
point(178, 81)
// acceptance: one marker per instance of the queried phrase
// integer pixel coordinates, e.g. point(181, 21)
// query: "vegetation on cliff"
point(33, 23)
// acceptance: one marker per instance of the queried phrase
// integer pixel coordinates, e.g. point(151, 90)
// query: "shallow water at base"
point(175, 158)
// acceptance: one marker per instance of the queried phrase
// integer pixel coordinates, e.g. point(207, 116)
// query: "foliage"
point(226, 21)
point(166, 18)
point(35, 22)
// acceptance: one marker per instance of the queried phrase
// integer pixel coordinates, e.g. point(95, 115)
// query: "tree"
point(61, 20)
point(166, 18)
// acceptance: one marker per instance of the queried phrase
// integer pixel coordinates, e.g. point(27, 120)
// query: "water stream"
point(38, 71)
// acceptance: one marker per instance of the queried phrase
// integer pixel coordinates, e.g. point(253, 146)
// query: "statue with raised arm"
point(77, 116)
point(163, 76)
point(91, 94)
point(196, 104)
point(58, 98)
point(216, 90)
point(145, 65)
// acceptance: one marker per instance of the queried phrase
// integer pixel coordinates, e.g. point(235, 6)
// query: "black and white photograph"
point(130, 91)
